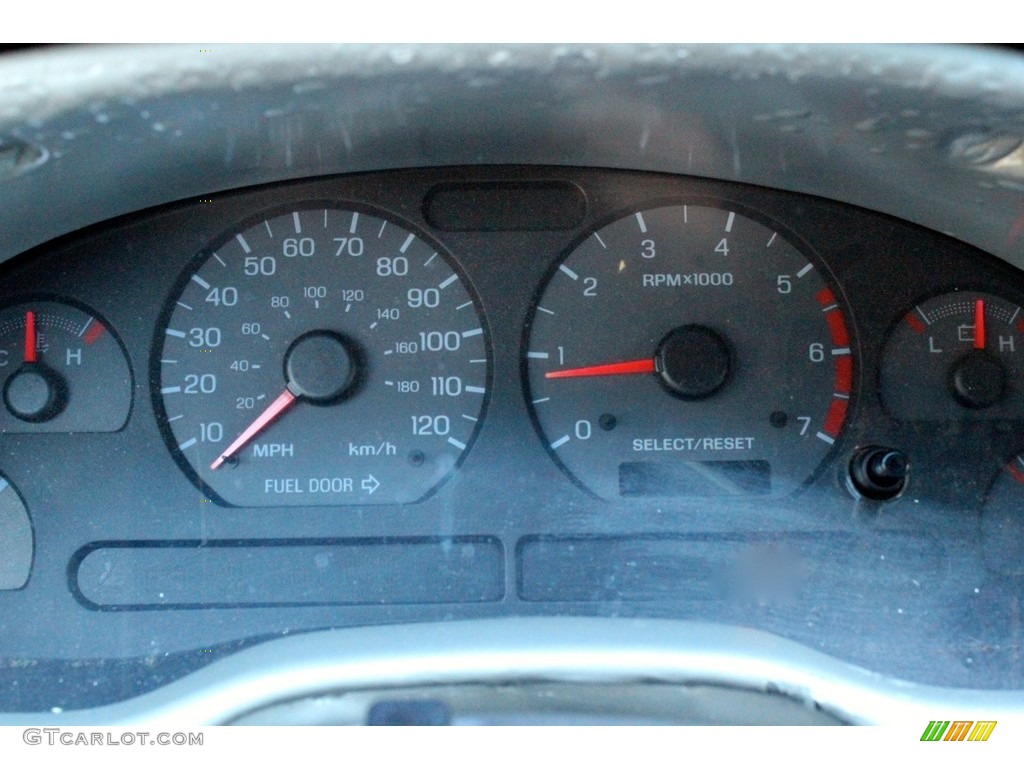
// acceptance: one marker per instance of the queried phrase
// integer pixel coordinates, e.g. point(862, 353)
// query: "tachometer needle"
point(275, 409)
point(610, 369)
point(979, 324)
point(30, 337)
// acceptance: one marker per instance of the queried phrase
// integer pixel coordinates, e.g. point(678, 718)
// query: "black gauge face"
point(958, 356)
point(689, 351)
point(61, 370)
point(322, 356)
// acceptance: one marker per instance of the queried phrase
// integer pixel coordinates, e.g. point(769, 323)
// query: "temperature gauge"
point(954, 357)
point(61, 370)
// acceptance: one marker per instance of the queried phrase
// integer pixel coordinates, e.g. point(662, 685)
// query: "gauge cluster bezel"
point(507, 489)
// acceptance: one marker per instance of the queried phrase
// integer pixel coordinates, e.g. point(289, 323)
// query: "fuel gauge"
point(61, 370)
point(957, 356)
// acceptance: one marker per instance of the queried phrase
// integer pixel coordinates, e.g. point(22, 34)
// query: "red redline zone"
point(915, 323)
point(1015, 472)
point(843, 384)
point(95, 331)
point(825, 297)
point(844, 375)
point(837, 327)
point(836, 416)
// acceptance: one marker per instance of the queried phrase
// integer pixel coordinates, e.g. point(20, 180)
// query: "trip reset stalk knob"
point(879, 474)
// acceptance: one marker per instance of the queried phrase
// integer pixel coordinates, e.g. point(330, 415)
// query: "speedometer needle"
point(275, 409)
point(610, 369)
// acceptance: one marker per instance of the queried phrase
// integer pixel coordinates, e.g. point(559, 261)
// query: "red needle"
point(632, 366)
point(30, 336)
point(275, 409)
point(979, 324)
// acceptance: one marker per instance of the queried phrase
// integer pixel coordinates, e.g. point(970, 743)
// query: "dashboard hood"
point(934, 135)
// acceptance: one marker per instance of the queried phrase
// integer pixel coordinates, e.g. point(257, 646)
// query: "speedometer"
point(321, 356)
point(689, 351)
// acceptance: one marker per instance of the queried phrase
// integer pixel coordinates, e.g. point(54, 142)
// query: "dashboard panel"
point(138, 542)
point(468, 366)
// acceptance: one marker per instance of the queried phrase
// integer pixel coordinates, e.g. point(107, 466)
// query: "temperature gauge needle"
point(275, 409)
point(610, 369)
point(30, 337)
point(979, 324)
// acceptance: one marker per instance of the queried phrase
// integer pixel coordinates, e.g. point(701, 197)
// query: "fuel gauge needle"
point(979, 324)
point(610, 369)
point(275, 409)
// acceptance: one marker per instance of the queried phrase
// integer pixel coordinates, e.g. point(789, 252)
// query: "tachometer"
point(321, 356)
point(689, 351)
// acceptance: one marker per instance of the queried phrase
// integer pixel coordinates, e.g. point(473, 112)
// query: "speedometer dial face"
point(321, 356)
point(689, 351)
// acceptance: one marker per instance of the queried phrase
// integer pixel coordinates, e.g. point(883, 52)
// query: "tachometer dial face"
point(689, 351)
point(321, 356)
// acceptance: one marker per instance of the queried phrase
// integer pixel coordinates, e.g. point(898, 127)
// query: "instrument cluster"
point(405, 394)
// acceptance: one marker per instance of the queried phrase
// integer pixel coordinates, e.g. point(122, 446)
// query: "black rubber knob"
point(879, 473)
point(322, 367)
point(693, 361)
point(977, 380)
point(35, 393)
